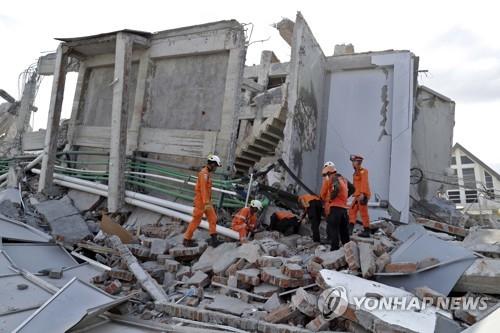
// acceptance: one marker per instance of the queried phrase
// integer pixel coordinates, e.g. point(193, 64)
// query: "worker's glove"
point(363, 200)
point(208, 206)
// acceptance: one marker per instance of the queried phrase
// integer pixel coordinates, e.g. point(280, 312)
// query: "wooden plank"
point(177, 142)
point(118, 141)
point(54, 117)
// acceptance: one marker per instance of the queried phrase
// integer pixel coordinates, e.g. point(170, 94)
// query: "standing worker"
point(337, 221)
point(203, 204)
point(245, 221)
point(313, 208)
point(361, 196)
point(324, 193)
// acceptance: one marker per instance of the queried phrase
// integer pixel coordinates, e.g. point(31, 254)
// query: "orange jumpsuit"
point(360, 179)
point(324, 194)
point(244, 222)
point(202, 204)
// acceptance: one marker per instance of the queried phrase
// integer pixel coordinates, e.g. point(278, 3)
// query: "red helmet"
point(356, 158)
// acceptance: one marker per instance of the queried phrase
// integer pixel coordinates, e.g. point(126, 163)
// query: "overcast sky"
point(458, 44)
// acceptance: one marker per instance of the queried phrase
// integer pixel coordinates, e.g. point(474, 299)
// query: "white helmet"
point(329, 164)
point(214, 158)
point(256, 204)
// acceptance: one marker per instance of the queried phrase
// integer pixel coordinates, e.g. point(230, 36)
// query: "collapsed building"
point(148, 109)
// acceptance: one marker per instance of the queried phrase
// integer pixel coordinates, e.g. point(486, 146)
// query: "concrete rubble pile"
point(273, 283)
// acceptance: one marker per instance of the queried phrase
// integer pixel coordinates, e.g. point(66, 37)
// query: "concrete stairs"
point(262, 142)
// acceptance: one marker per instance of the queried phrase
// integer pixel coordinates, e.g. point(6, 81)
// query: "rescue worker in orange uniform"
point(203, 204)
point(361, 196)
point(285, 222)
point(245, 221)
point(337, 221)
point(313, 209)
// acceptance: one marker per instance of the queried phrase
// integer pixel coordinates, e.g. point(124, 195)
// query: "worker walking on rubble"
point(285, 222)
point(336, 207)
point(361, 196)
point(203, 204)
point(313, 209)
point(245, 220)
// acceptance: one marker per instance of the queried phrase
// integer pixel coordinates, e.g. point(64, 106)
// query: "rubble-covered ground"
point(66, 265)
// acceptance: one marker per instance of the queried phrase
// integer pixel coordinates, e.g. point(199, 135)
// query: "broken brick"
point(56, 273)
point(281, 314)
point(352, 256)
point(265, 289)
point(367, 260)
point(239, 264)
point(293, 270)
point(187, 252)
point(332, 259)
point(121, 274)
point(114, 287)
point(381, 261)
point(250, 276)
point(313, 267)
point(269, 261)
point(171, 265)
point(401, 267)
point(428, 293)
point(274, 276)
point(305, 302)
point(318, 324)
point(427, 262)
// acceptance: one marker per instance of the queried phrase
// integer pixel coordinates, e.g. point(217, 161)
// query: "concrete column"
point(262, 79)
point(139, 105)
point(24, 113)
point(54, 117)
point(118, 142)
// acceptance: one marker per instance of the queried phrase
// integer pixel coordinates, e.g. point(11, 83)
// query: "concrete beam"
point(54, 117)
point(117, 157)
point(24, 113)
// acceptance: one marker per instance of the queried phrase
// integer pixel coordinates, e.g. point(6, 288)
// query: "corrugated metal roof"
point(34, 257)
point(11, 229)
point(79, 297)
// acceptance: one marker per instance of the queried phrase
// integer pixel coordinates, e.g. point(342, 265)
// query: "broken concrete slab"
point(230, 305)
point(442, 278)
point(332, 259)
point(483, 276)
point(272, 303)
point(83, 201)
point(444, 227)
point(64, 219)
point(265, 289)
point(159, 246)
point(141, 217)
point(250, 252)
point(14, 230)
point(212, 255)
point(199, 279)
point(486, 241)
point(406, 320)
point(381, 261)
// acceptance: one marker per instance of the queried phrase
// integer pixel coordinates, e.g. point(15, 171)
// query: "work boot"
point(365, 233)
point(214, 241)
point(189, 243)
point(350, 228)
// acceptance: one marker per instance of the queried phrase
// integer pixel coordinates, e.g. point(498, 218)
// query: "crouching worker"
point(313, 209)
point(285, 222)
point(245, 220)
point(203, 204)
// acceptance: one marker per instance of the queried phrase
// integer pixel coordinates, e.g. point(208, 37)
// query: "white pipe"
point(249, 189)
point(177, 180)
point(100, 189)
point(30, 165)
